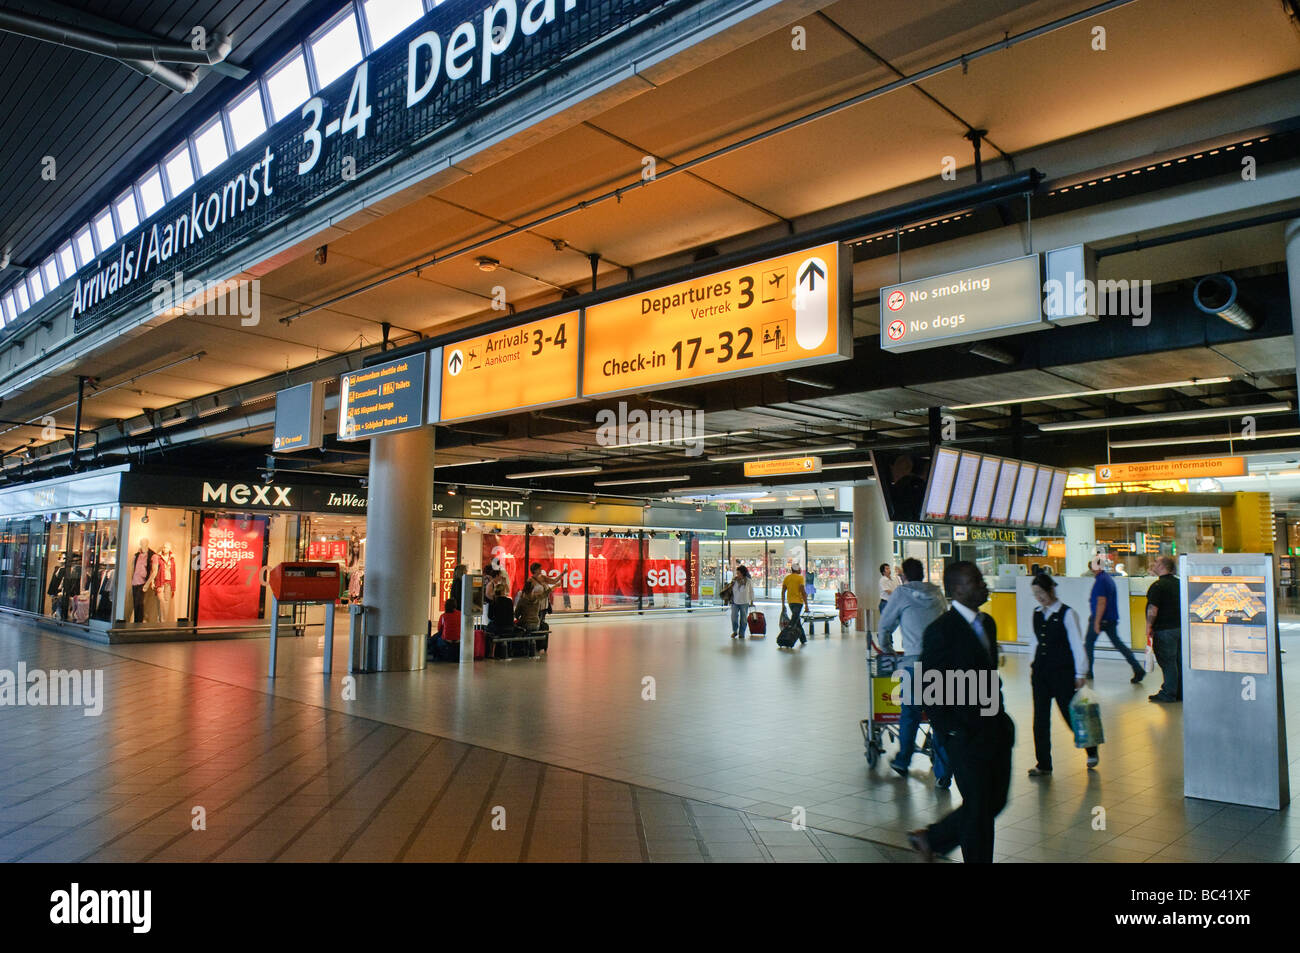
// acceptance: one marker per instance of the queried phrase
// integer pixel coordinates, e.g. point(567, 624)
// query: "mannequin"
point(141, 569)
point(55, 588)
point(164, 576)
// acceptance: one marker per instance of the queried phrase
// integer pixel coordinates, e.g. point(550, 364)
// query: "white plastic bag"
point(1149, 662)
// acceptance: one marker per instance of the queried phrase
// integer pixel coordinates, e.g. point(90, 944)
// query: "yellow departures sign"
point(780, 313)
point(526, 367)
point(1171, 470)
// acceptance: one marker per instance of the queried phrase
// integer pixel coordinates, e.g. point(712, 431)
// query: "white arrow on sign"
point(811, 304)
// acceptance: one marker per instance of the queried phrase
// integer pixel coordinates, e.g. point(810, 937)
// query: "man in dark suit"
point(961, 648)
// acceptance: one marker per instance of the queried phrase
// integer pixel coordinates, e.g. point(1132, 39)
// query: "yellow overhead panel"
point(780, 313)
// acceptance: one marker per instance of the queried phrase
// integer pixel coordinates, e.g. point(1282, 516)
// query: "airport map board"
point(777, 314)
point(1234, 727)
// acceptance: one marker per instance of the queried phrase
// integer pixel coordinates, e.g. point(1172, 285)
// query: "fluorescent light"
point(678, 440)
point(801, 452)
point(762, 499)
point(806, 382)
point(846, 466)
point(464, 463)
point(667, 479)
point(1194, 382)
point(1276, 408)
point(1208, 438)
point(572, 471)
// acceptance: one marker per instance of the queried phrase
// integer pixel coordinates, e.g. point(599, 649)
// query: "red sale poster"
point(230, 576)
point(506, 553)
point(327, 551)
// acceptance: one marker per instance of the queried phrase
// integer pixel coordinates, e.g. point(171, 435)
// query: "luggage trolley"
point(884, 714)
point(847, 604)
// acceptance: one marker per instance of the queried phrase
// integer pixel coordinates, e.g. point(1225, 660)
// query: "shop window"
point(157, 564)
point(562, 553)
point(79, 579)
point(210, 146)
point(23, 544)
point(287, 86)
point(614, 572)
point(665, 578)
point(247, 120)
point(335, 49)
point(179, 170)
point(387, 18)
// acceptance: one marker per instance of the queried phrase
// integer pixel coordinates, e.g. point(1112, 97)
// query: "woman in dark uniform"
point(1058, 669)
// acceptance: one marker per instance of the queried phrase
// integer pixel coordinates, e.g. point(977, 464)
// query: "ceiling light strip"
point(795, 451)
point(1102, 422)
point(663, 479)
point(572, 471)
point(1194, 382)
point(1207, 438)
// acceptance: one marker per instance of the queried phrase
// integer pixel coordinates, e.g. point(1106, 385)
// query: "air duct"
point(1217, 295)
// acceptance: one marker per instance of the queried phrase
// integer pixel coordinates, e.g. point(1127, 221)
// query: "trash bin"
point(356, 637)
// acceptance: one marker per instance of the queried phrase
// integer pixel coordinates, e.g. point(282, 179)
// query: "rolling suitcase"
point(790, 634)
point(756, 622)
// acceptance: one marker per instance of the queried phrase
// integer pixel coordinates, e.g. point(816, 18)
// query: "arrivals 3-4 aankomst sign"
point(457, 60)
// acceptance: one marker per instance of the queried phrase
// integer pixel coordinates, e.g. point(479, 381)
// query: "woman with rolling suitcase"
point(742, 599)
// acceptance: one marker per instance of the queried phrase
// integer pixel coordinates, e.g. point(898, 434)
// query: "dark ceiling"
point(101, 121)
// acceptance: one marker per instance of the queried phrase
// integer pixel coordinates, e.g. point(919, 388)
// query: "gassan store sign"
point(456, 61)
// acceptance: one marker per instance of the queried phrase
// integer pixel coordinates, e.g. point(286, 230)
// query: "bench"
point(519, 637)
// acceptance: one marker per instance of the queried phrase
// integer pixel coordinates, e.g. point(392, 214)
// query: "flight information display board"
point(942, 473)
point(1024, 488)
point(964, 486)
point(1038, 501)
point(1055, 496)
point(1001, 511)
point(783, 312)
point(986, 483)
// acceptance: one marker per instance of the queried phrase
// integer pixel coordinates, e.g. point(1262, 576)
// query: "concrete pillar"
point(873, 544)
point(1292, 242)
point(1080, 541)
point(399, 511)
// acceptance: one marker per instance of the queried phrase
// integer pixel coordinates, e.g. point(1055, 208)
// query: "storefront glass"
point(614, 580)
point(23, 544)
point(828, 562)
point(78, 581)
point(713, 571)
point(750, 554)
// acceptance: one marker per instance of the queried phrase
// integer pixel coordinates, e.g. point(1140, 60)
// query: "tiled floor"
point(280, 780)
point(709, 760)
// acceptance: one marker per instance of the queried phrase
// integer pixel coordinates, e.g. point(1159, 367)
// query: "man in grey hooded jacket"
point(912, 607)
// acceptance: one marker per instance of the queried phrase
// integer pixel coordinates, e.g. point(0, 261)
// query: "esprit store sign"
point(242, 494)
point(496, 509)
point(402, 94)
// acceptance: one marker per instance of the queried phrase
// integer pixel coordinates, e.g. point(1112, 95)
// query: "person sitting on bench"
point(501, 617)
point(445, 645)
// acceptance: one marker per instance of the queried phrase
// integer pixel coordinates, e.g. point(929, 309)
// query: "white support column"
point(399, 511)
point(873, 544)
point(1080, 541)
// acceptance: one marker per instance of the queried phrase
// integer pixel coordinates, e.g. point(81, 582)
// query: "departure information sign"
point(780, 313)
point(382, 399)
point(527, 367)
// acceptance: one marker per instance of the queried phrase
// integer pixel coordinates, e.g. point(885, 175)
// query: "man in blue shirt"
point(1103, 617)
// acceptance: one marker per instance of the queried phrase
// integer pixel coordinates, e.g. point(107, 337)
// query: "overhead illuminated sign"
point(780, 313)
point(299, 417)
point(530, 366)
point(967, 305)
point(1171, 470)
point(449, 67)
point(789, 465)
point(382, 399)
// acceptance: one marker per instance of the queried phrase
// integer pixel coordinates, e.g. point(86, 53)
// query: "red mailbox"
point(306, 582)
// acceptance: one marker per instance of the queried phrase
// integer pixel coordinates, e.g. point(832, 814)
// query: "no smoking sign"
point(895, 300)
